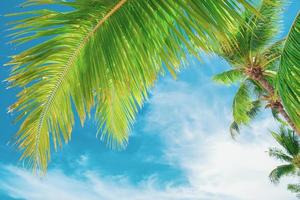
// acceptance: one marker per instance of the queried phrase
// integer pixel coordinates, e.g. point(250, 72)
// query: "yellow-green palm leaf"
point(229, 77)
point(254, 34)
point(102, 54)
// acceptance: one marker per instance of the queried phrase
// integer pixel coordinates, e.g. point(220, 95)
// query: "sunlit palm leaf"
point(243, 116)
point(105, 54)
point(229, 77)
point(271, 56)
point(266, 26)
point(254, 34)
point(289, 73)
point(243, 105)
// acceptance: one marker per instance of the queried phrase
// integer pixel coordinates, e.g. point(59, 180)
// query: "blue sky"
point(179, 148)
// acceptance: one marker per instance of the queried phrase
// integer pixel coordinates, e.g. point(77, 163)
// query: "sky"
point(179, 148)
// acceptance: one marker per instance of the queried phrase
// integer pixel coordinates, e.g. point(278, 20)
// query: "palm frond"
point(235, 50)
point(279, 155)
point(234, 130)
point(256, 106)
point(295, 188)
point(276, 116)
point(266, 26)
point(243, 105)
point(271, 56)
point(288, 140)
point(229, 77)
point(289, 73)
point(95, 53)
point(247, 115)
point(254, 34)
point(115, 113)
point(280, 171)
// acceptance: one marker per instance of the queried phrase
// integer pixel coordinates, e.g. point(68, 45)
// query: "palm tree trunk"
point(270, 89)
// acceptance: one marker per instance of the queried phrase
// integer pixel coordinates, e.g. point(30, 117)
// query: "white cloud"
point(193, 123)
point(194, 126)
point(90, 186)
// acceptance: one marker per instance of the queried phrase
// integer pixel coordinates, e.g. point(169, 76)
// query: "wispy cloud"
point(194, 124)
point(90, 186)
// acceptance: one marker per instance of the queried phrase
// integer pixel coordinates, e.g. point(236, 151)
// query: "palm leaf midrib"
point(70, 61)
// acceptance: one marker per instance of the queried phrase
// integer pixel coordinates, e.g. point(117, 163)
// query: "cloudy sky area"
point(179, 149)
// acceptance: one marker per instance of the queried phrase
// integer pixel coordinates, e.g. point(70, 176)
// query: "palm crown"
point(290, 154)
point(261, 66)
point(104, 55)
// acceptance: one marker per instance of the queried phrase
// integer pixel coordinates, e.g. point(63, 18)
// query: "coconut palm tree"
point(104, 55)
point(290, 154)
point(268, 70)
point(287, 139)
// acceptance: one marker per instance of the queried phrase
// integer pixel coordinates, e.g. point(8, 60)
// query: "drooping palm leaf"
point(244, 110)
point(280, 171)
point(242, 105)
point(256, 106)
point(289, 73)
point(234, 130)
point(288, 140)
point(229, 77)
point(105, 54)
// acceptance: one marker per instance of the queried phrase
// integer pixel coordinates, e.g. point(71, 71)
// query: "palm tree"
point(104, 55)
point(268, 71)
point(291, 155)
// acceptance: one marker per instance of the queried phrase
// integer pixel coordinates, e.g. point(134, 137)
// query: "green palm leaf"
point(271, 56)
point(279, 154)
point(244, 109)
point(290, 154)
point(288, 140)
point(229, 77)
point(267, 25)
point(254, 34)
point(280, 171)
point(103, 54)
point(295, 188)
point(276, 116)
point(289, 73)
